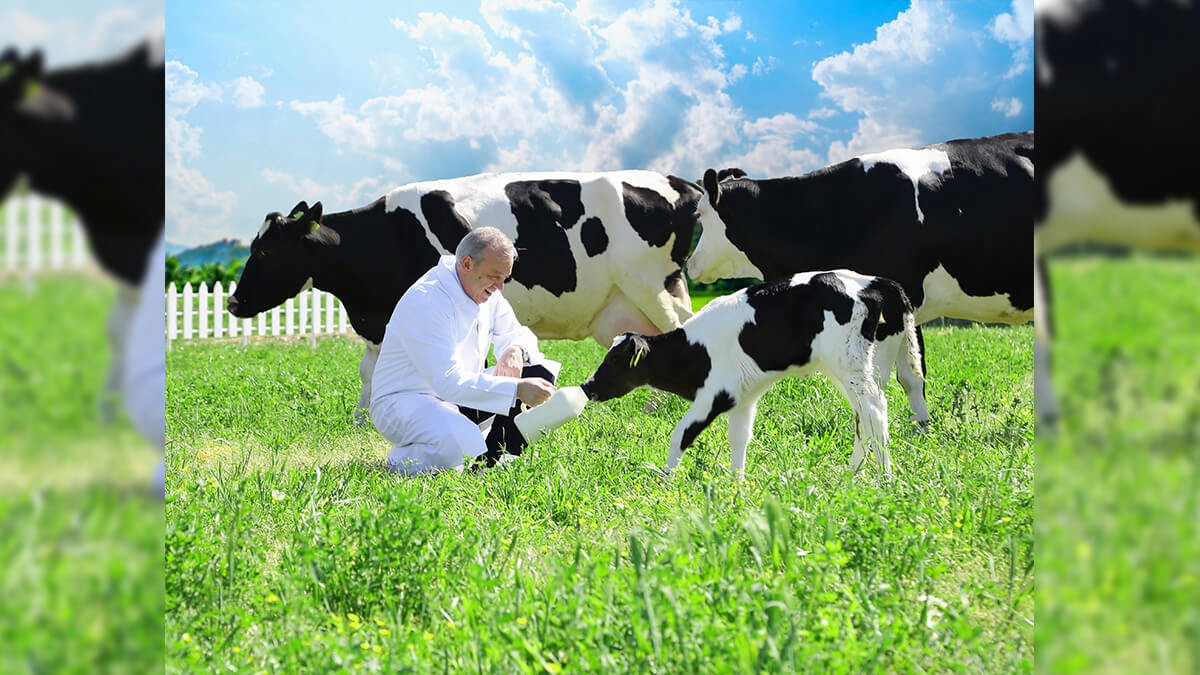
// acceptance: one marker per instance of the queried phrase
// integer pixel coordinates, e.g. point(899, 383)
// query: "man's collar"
point(447, 268)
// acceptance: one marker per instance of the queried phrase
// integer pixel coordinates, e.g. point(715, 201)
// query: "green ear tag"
point(314, 227)
point(297, 214)
point(637, 356)
point(6, 71)
point(32, 87)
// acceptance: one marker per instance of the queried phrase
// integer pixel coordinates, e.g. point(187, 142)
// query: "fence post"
point(203, 296)
point(33, 221)
point(56, 248)
point(329, 316)
point(289, 311)
point(276, 319)
point(172, 313)
point(233, 320)
point(78, 242)
point(11, 233)
point(187, 311)
point(218, 310)
point(315, 315)
point(342, 318)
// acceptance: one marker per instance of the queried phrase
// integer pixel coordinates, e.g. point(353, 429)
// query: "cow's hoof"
point(920, 426)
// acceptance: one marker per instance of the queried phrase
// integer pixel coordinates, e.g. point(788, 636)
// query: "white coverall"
point(431, 361)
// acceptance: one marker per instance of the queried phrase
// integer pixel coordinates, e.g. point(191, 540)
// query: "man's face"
point(480, 278)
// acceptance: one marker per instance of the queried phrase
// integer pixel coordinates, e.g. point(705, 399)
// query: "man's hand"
point(534, 390)
point(510, 363)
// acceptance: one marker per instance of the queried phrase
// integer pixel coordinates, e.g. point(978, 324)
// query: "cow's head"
point(283, 257)
point(716, 257)
point(624, 369)
point(29, 111)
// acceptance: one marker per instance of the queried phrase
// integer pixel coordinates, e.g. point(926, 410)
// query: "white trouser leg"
point(429, 434)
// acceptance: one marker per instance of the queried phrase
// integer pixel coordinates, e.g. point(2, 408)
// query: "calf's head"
point(716, 255)
point(624, 369)
point(283, 257)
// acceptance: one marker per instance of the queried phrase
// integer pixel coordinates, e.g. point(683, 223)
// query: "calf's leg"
point(741, 429)
point(912, 383)
point(702, 413)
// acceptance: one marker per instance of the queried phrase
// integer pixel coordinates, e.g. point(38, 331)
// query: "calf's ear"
point(712, 187)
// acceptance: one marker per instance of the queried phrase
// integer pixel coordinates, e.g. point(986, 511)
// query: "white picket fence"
point(40, 235)
point(199, 313)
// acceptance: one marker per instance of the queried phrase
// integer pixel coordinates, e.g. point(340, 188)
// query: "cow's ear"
point(33, 65)
point(298, 211)
point(712, 187)
point(314, 212)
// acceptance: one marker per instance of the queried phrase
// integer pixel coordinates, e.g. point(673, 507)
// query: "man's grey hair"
point(483, 239)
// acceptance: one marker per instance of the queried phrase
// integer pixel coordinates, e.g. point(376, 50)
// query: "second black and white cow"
point(599, 253)
point(92, 136)
point(952, 223)
point(1110, 95)
point(849, 326)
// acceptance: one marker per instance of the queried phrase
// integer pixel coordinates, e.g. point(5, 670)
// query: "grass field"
point(290, 549)
point(1118, 489)
point(81, 538)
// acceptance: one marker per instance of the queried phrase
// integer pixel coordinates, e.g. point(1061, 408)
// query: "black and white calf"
point(600, 253)
point(849, 326)
point(952, 223)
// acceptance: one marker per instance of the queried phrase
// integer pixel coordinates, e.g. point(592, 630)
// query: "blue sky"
point(269, 103)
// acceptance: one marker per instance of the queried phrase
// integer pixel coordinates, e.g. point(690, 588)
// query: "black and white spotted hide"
point(849, 326)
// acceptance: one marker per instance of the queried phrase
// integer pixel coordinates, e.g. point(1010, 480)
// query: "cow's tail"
point(898, 316)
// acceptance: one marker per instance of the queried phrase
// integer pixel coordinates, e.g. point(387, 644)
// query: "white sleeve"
point(431, 348)
point(507, 331)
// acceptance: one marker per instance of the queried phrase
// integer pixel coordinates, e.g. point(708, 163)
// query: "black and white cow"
point(952, 223)
point(849, 326)
point(1114, 87)
point(92, 136)
point(600, 253)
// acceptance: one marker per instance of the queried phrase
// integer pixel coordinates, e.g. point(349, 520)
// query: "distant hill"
point(217, 252)
point(176, 249)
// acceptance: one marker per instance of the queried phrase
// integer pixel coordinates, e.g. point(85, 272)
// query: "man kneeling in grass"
point(431, 396)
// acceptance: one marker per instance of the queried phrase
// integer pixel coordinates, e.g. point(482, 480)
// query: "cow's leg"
point(741, 430)
point(664, 310)
point(119, 321)
point(366, 369)
point(703, 411)
point(1045, 402)
point(912, 383)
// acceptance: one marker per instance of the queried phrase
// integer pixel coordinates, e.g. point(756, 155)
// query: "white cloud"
point(332, 197)
point(785, 124)
point(737, 72)
point(751, 37)
point(1016, 29)
point(99, 32)
point(247, 93)
point(821, 113)
point(923, 79)
point(194, 207)
point(341, 126)
point(762, 67)
point(1011, 108)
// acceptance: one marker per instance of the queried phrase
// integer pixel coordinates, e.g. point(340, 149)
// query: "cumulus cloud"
point(821, 113)
point(779, 146)
point(193, 204)
point(247, 93)
point(762, 67)
point(1016, 29)
point(332, 197)
point(1011, 108)
point(921, 80)
point(103, 32)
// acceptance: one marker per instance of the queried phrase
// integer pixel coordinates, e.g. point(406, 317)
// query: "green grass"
point(1118, 486)
point(290, 549)
point(82, 537)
